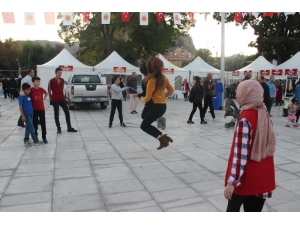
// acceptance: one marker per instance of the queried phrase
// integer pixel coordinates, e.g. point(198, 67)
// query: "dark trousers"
point(195, 105)
point(297, 115)
point(156, 111)
point(250, 203)
point(6, 92)
point(116, 104)
point(12, 93)
point(271, 104)
point(208, 103)
point(185, 95)
point(39, 114)
point(63, 105)
point(147, 108)
point(124, 93)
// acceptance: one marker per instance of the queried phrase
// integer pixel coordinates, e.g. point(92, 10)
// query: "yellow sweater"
point(158, 96)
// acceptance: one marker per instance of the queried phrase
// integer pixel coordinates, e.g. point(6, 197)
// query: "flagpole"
point(223, 53)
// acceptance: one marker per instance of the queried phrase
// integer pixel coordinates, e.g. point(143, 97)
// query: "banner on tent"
point(235, 73)
point(277, 72)
point(291, 72)
point(120, 69)
point(168, 71)
point(246, 71)
point(66, 68)
point(264, 72)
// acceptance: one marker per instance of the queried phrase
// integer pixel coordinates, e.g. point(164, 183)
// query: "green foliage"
point(131, 40)
point(278, 37)
point(9, 51)
point(204, 54)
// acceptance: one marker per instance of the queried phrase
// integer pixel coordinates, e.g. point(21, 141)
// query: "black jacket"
point(12, 83)
point(196, 93)
point(4, 83)
point(267, 100)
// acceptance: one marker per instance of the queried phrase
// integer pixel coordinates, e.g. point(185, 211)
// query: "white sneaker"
point(216, 119)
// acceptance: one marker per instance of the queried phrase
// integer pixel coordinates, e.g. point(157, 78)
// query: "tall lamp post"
point(19, 67)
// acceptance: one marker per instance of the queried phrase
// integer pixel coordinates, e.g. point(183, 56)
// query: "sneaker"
point(132, 112)
point(59, 130)
point(163, 124)
point(287, 125)
point(122, 125)
point(71, 130)
point(203, 122)
point(159, 122)
point(109, 125)
point(38, 143)
point(216, 119)
point(45, 141)
point(27, 144)
point(296, 125)
point(135, 111)
point(190, 122)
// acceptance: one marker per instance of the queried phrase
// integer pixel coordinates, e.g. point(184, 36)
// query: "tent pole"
point(222, 52)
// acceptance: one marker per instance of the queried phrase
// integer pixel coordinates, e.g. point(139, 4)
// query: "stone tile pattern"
point(119, 169)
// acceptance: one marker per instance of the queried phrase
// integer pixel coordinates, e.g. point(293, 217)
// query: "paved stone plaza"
point(119, 169)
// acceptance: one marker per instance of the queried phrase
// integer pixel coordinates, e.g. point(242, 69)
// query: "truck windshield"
point(86, 79)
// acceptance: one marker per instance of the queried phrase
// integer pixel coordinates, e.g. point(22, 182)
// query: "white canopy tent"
point(69, 64)
point(199, 67)
point(175, 75)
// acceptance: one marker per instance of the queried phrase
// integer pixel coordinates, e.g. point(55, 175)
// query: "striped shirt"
point(242, 150)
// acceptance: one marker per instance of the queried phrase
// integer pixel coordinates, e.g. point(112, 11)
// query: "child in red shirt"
point(38, 95)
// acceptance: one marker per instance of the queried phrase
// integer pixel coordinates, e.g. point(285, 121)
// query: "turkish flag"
point(125, 16)
point(268, 14)
point(86, 16)
point(191, 15)
point(159, 16)
point(49, 17)
point(29, 18)
point(237, 17)
point(8, 17)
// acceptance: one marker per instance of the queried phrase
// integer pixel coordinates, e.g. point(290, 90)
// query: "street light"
point(19, 67)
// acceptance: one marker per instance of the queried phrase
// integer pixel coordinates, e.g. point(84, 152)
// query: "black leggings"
point(250, 203)
point(39, 114)
point(185, 95)
point(195, 105)
point(147, 108)
point(208, 103)
point(12, 93)
point(156, 111)
point(116, 104)
point(64, 106)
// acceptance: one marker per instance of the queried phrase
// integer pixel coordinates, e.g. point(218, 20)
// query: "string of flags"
point(29, 17)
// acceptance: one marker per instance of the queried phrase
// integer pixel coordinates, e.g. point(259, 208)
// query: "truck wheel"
point(71, 107)
point(102, 105)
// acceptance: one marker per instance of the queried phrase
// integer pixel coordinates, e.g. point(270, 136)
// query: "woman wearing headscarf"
point(250, 175)
point(185, 89)
point(157, 83)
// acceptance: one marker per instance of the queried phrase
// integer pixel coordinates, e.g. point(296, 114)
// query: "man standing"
point(5, 87)
point(27, 79)
point(272, 88)
point(134, 100)
point(57, 98)
point(208, 87)
point(261, 80)
point(247, 76)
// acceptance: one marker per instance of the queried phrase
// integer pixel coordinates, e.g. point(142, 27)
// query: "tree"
point(205, 54)
point(278, 37)
point(131, 40)
point(9, 52)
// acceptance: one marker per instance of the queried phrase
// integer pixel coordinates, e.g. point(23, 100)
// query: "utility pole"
point(222, 52)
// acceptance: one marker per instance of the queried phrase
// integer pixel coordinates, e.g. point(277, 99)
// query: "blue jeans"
point(29, 129)
point(271, 103)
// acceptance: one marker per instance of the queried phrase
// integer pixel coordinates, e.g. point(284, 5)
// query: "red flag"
point(268, 14)
point(125, 16)
point(8, 17)
point(159, 16)
point(237, 17)
point(49, 17)
point(86, 16)
point(191, 15)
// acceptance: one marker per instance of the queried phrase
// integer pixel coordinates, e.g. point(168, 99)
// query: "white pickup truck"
point(86, 89)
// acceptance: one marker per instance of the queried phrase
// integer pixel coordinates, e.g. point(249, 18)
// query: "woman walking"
point(157, 83)
point(250, 176)
point(116, 101)
point(196, 96)
point(12, 86)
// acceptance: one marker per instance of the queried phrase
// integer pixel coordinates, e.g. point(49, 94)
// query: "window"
point(86, 79)
point(178, 83)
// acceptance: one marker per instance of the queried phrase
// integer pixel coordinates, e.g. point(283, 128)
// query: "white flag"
point(144, 18)
point(289, 13)
point(177, 18)
point(105, 17)
point(255, 14)
point(29, 18)
point(205, 16)
point(67, 18)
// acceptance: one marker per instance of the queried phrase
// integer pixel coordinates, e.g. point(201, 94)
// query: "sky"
point(206, 34)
